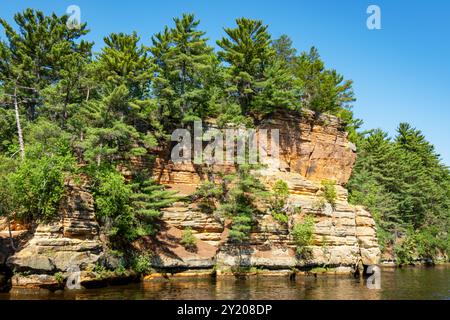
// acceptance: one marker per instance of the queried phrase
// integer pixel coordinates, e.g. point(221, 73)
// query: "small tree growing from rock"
point(188, 239)
point(278, 201)
point(303, 235)
point(329, 192)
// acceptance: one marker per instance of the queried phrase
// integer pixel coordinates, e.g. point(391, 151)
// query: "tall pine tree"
point(254, 80)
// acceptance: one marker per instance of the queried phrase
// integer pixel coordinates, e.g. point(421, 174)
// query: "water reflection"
point(409, 283)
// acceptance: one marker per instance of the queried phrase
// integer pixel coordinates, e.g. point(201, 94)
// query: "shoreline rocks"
point(69, 242)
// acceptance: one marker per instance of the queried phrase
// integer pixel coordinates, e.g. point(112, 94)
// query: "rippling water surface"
point(408, 283)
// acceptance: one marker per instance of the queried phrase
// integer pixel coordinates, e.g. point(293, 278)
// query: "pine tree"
point(8, 131)
point(62, 99)
point(426, 173)
point(241, 192)
point(121, 120)
point(405, 186)
point(192, 60)
point(147, 201)
point(124, 62)
point(129, 210)
point(373, 182)
point(285, 50)
point(161, 82)
point(323, 90)
point(254, 80)
point(110, 138)
point(185, 64)
point(34, 57)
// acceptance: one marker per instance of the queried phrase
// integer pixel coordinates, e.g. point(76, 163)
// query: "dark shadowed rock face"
point(5, 252)
point(7, 249)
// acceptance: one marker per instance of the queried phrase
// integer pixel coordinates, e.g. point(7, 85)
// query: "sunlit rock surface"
point(70, 242)
point(312, 149)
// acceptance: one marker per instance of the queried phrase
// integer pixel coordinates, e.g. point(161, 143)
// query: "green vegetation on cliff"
point(63, 105)
point(241, 193)
point(302, 232)
point(278, 201)
point(69, 114)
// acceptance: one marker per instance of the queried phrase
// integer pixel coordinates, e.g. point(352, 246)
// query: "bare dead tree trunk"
point(19, 127)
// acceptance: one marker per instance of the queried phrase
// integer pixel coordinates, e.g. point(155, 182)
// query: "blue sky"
point(400, 73)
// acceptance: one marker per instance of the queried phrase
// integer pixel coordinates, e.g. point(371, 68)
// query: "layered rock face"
point(312, 149)
point(12, 236)
point(344, 235)
point(69, 243)
point(314, 146)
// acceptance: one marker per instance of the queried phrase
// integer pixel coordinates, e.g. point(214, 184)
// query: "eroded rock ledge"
point(312, 148)
point(71, 242)
point(344, 235)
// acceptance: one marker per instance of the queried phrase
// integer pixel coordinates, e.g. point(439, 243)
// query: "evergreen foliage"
point(278, 201)
point(405, 186)
point(184, 67)
point(329, 192)
point(255, 80)
point(65, 111)
point(128, 210)
point(284, 49)
point(302, 233)
point(235, 198)
point(188, 240)
point(242, 191)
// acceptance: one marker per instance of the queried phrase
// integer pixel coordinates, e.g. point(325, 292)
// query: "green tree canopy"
point(255, 80)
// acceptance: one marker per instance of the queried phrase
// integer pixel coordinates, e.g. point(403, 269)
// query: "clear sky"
point(400, 73)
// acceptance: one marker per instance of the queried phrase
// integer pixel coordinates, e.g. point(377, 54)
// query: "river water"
point(432, 283)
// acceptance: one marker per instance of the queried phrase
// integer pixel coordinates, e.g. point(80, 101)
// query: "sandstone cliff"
point(311, 149)
point(71, 242)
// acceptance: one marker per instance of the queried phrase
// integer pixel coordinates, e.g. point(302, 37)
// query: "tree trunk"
point(99, 159)
point(10, 235)
point(65, 115)
point(19, 127)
